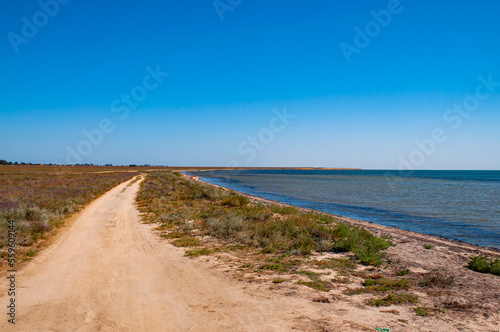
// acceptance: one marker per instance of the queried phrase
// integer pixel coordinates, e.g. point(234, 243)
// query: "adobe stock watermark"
point(223, 6)
point(372, 28)
point(454, 118)
point(11, 259)
point(30, 27)
point(121, 106)
point(252, 145)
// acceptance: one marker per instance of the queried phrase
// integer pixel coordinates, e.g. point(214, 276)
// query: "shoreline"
point(377, 229)
point(450, 297)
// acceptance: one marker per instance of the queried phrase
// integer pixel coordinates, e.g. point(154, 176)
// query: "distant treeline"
point(5, 162)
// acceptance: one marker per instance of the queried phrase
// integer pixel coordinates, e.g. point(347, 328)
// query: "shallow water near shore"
point(459, 205)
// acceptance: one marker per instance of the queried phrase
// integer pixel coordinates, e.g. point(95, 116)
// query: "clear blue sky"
point(65, 70)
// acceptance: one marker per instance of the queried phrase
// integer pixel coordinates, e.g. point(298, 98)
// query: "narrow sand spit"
point(109, 272)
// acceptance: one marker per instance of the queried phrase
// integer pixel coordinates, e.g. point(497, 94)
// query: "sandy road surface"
point(108, 272)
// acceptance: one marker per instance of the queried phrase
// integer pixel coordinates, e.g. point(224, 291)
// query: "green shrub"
point(495, 267)
point(367, 247)
point(483, 264)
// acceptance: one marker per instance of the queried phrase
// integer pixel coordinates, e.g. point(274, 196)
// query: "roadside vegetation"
point(180, 206)
point(39, 198)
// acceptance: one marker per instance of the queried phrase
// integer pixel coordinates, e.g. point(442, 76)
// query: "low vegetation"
point(179, 204)
point(380, 284)
point(484, 264)
point(199, 252)
point(38, 198)
point(426, 311)
point(385, 284)
point(394, 298)
point(279, 263)
point(315, 281)
point(338, 264)
point(403, 272)
point(186, 242)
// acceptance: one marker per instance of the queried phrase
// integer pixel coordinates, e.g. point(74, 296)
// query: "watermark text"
point(11, 272)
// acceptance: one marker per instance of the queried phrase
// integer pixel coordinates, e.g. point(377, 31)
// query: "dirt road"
point(109, 272)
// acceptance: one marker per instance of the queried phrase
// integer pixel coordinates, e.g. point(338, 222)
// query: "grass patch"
point(278, 281)
point(386, 284)
point(426, 311)
point(235, 201)
point(280, 263)
point(372, 285)
point(186, 242)
point(403, 272)
point(337, 264)
point(273, 266)
point(316, 282)
point(310, 274)
point(484, 264)
point(428, 246)
point(199, 252)
point(394, 299)
point(354, 291)
point(317, 285)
